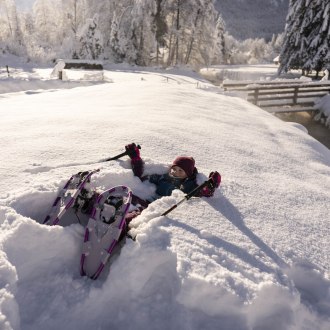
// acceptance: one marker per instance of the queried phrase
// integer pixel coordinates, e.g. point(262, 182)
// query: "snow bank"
point(323, 105)
point(254, 256)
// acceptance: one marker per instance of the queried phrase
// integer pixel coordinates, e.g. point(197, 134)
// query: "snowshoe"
point(75, 194)
point(104, 229)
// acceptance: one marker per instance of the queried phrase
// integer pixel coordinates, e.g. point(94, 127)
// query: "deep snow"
point(254, 256)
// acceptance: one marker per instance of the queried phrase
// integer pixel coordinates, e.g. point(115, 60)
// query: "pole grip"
point(119, 156)
point(197, 189)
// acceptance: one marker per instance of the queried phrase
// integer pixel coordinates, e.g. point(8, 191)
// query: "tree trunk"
point(170, 48)
point(177, 33)
point(192, 38)
point(8, 19)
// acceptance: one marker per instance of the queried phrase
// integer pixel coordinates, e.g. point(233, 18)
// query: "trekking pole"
point(118, 156)
point(48, 168)
point(209, 182)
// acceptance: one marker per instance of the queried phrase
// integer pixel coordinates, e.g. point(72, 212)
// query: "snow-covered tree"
point(160, 28)
point(90, 39)
point(141, 32)
point(45, 22)
point(123, 43)
point(118, 42)
point(133, 32)
point(290, 57)
point(317, 35)
point(219, 49)
point(210, 41)
point(6, 9)
point(74, 15)
point(307, 36)
point(47, 38)
point(10, 29)
point(191, 31)
point(105, 11)
point(276, 43)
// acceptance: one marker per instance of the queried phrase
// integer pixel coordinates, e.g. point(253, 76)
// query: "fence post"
point(295, 95)
point(256, 95)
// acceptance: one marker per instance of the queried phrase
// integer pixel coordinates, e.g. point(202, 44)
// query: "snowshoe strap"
point(107, 213)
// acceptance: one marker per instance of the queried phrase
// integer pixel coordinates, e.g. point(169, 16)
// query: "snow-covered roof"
point(78, 61)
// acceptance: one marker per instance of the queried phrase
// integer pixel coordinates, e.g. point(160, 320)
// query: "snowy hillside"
point(254, 256)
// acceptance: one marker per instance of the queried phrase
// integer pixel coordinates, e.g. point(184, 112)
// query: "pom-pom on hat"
point(186, 163)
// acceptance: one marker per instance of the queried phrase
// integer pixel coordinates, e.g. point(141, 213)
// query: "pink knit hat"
point(186, 163)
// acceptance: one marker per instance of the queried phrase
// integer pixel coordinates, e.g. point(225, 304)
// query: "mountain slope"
point(253, 18)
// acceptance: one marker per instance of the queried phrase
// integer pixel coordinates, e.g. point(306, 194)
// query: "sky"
point(253, 256)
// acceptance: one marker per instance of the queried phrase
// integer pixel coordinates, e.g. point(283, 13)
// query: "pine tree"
point(142, 30)
point(290, 57)
point(117, 40)
point(133, 35)
point(105, 11)
point(319, 36)
point(219, 50)
point(208, 34)
point(307, 37)
point(161, 28)
point(91, 42)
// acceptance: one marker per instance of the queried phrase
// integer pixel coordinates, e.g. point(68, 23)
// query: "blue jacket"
point(166, 184)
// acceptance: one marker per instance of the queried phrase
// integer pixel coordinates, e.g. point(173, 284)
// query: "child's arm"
point(208, 191)
point(136, 161)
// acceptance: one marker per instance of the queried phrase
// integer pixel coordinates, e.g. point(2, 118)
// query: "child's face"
point(178, 172)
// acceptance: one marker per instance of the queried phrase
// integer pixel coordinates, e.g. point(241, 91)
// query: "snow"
point(254, 256)
point(323, 105)
point(242, 72)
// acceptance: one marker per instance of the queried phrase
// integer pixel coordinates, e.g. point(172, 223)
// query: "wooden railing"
point(286, 97)
point(241, 85)
point(281, 96)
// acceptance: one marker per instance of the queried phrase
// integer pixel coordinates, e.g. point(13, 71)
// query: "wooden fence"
point(287, 96)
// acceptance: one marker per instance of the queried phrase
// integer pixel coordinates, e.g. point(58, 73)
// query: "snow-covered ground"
point(241, 72)
point(254, 256)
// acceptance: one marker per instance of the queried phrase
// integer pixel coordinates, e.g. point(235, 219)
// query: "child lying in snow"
point(182, 175)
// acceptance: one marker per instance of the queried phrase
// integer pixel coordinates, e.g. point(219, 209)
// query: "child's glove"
point(214, 183)
point(133, 151)
point(215, 179)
